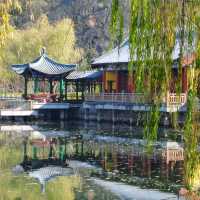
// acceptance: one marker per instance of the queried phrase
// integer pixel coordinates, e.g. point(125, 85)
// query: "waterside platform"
point(24, 108)
point(131, 106)
point(111, 108)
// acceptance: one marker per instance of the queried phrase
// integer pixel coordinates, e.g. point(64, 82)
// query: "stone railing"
point(118, 98)
point(15, 104)
point(138, 98)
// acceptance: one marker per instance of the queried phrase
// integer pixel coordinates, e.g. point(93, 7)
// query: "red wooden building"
point(117, 80)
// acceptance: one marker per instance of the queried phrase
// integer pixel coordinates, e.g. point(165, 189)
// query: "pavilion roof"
point(117, 55)
point(43, 66)
point(84, 75)
point(121, 54)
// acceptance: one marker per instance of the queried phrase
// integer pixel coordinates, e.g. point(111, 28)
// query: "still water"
point(87, 162)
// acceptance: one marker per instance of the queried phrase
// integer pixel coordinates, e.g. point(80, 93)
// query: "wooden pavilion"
point(119, 83)
point(46, 72)
point(84, 82)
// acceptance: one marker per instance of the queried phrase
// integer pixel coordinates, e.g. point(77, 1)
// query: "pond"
point(87, 161)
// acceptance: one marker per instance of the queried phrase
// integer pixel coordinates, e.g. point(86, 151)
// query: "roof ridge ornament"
point(43, 51)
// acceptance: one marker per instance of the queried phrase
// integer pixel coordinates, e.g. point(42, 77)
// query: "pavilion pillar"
point(66, 87)
point(35, 85)
point(101, 87)
point(43, 85)
point(51, 86)
point(34, 152)
point(104, 82)
point(61, 89)
point(82, 90)
point(25, 87)
point(94, 87)
point(89, 91)
point(77, 90)
point(117, 81)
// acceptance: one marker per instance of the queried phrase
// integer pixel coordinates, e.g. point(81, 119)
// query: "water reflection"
point(46, 152)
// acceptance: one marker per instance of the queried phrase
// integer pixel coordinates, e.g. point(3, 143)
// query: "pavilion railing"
point(137, 98)
point(118, 97)
point(173, 154)
point(176, 99)
point(15, 104)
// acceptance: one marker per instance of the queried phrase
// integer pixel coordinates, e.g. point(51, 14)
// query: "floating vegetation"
point(147, 183)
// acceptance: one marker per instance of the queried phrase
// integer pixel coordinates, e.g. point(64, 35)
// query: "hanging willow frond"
point(155, 29)
point(151, 127)
point(116, 23)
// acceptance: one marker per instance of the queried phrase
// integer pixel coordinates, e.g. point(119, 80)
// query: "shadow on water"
point(90, 156)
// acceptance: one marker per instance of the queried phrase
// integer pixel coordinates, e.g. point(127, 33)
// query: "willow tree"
point(7, 7)
point(23, 46)
point(155, 27)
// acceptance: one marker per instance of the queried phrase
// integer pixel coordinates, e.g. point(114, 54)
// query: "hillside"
point(91, 18)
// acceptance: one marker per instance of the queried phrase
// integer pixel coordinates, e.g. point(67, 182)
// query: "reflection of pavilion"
point(44, 148)
point(129, 156)
point(45, 156)
point(45, 174)
point(49, 151)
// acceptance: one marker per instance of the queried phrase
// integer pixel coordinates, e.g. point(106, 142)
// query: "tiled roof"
point(122, 55)
point(75, 75)
point(44, 65)
point(118, 55)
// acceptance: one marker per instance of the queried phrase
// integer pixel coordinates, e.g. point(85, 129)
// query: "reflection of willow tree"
point(155, 26)
point(10, 156)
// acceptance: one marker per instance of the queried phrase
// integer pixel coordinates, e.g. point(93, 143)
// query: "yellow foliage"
point(23, 46)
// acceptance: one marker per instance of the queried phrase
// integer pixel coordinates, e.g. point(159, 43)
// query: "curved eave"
point(84, 75)
point(107, 63)
point(49, 66)
point(44, 66)
point(20, 69)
